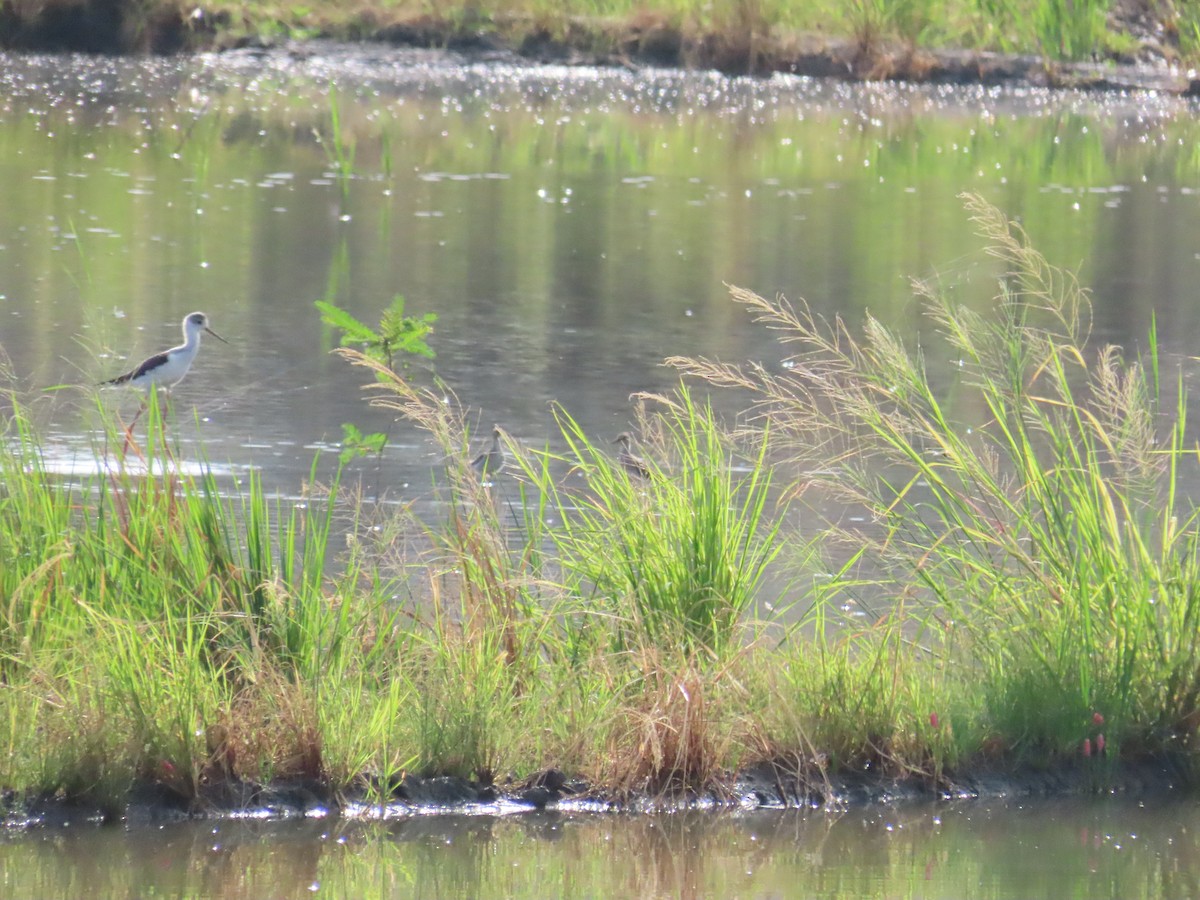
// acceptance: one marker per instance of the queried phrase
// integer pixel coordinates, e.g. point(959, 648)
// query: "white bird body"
point(167, 369)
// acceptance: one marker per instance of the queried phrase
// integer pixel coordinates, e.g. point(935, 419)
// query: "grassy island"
point(1019, 585)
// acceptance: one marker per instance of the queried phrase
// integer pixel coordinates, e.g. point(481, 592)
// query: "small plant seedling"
point(397, 337)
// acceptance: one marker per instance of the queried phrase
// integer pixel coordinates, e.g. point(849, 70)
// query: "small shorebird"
point(167, 369)
point(630, 461)
point(491, 460)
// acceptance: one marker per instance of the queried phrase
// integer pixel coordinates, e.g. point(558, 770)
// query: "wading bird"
point(630, 461)
point(167, 369)
point(491, 460)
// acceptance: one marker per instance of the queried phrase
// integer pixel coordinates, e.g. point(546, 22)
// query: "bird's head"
point(198, 321)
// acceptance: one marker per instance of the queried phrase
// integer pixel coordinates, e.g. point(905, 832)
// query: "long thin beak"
point(214, 334)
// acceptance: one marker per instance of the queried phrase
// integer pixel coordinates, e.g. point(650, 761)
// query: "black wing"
point(152, 362)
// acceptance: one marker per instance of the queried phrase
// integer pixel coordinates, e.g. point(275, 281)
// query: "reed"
point(1070, 29)
point(339, 148)
point(642, 582)
point(158, 610)
point(1039, 544)
point(676, 555)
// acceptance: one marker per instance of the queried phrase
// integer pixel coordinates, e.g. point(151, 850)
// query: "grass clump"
point(618, 590)
point(159, 620)
point(1033, 535)
point(676, 554)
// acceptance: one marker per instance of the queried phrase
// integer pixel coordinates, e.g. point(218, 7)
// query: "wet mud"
point(766, 785)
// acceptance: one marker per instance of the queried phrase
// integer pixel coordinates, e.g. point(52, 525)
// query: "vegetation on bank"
point(1022, 586)
point(736, 35)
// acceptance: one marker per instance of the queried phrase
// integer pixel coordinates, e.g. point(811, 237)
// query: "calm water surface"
point(1096, 849)
point(570, 228)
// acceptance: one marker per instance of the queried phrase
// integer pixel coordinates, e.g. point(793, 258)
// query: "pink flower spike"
point(933, 721)
point(1097, 719)
point(1100, 742)
point(1087, 746)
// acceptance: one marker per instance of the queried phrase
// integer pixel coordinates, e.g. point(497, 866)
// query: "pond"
point(570, 228)
point(1097, 849)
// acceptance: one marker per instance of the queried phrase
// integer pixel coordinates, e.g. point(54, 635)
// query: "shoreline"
point(638, 41)
point(767, 785)
point(832, 60)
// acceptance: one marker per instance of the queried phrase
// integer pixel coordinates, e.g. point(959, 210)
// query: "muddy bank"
point(767, 785)
point(828, 60)
point(643, 39)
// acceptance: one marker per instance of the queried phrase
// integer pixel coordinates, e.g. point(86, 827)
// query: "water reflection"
point(1104, 848)
point(570, 227)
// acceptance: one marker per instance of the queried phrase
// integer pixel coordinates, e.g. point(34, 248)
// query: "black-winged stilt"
point(630, 461)
point(167, 369)
point(491, 460)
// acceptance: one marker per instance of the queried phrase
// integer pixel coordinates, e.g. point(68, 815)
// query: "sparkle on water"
point(570, 226)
